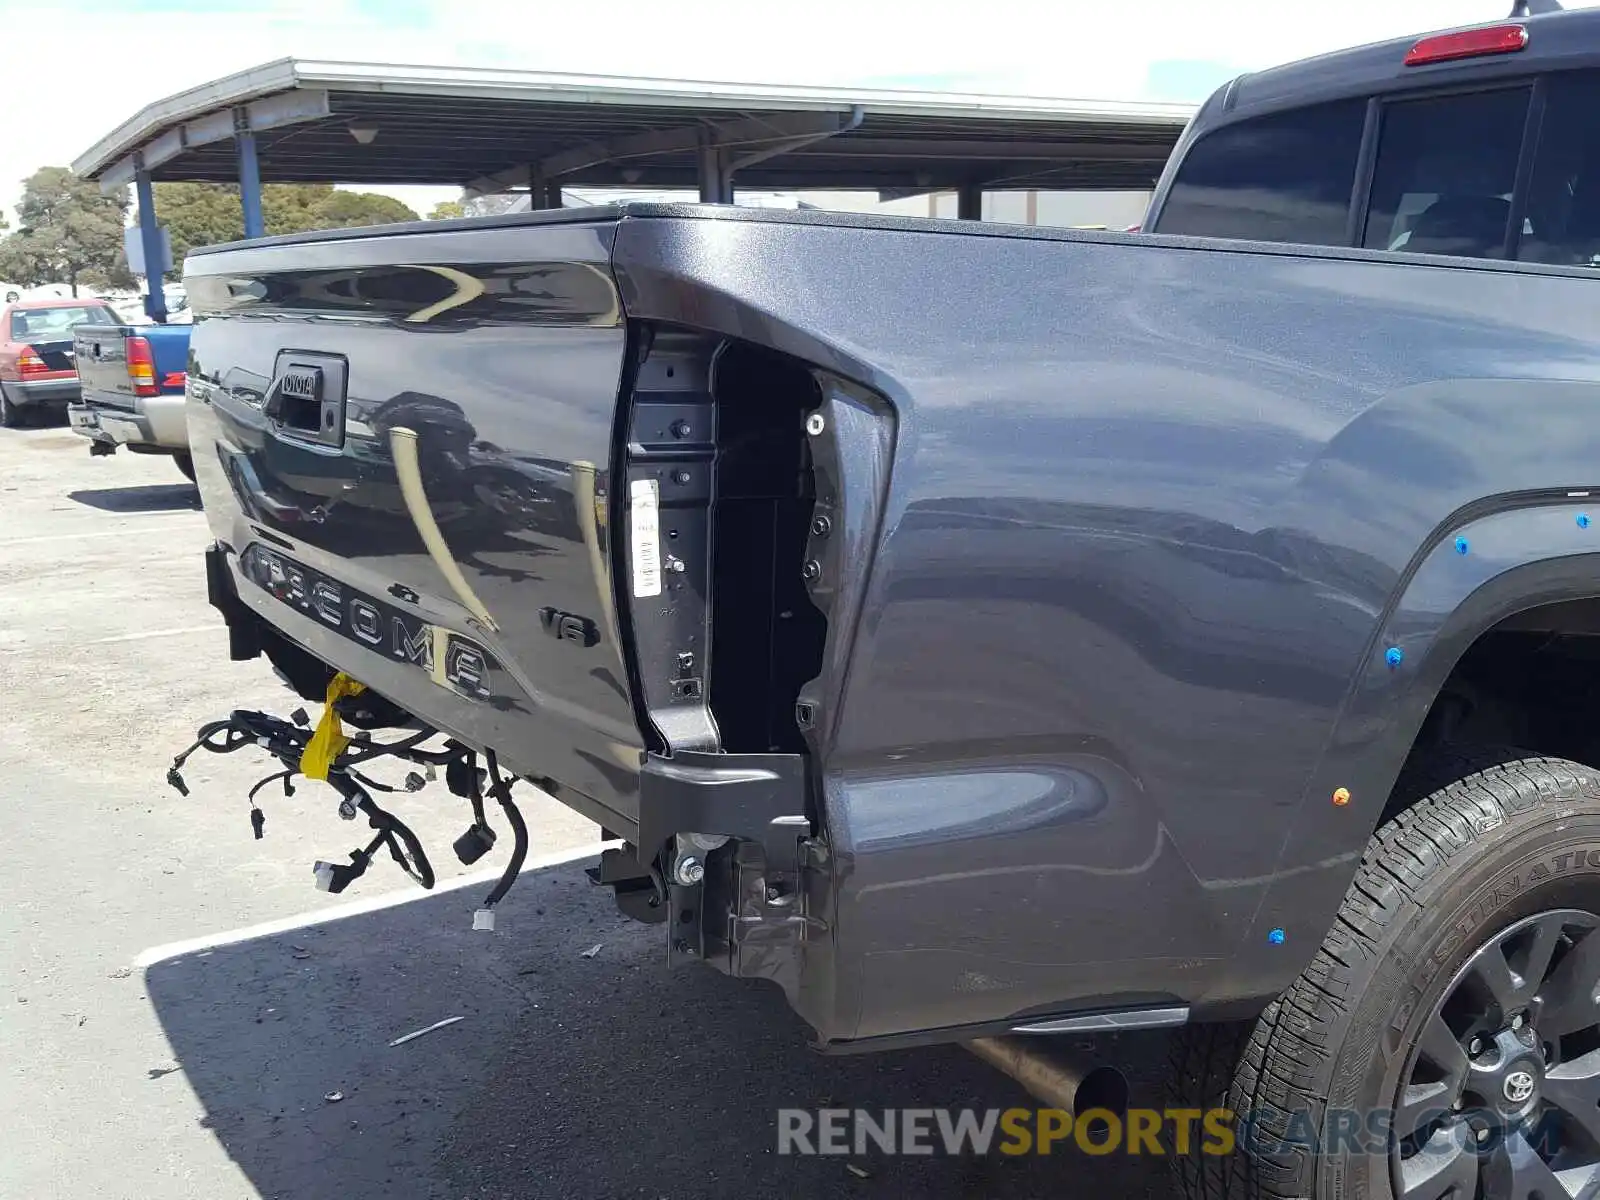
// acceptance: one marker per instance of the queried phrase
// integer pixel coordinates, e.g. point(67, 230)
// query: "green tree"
point(203, 214)
point(346, 210)
point(493, 204)
point(288, 207)
point(198, 214)
point(68, 231)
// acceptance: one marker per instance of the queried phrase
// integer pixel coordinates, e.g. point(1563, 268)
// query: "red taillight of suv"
point(141, 366)
point(29, 364)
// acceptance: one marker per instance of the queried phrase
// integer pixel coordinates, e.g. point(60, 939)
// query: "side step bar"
point(1112, 1022)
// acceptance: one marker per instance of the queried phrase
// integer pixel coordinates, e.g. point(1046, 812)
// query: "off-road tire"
point(1447, 872)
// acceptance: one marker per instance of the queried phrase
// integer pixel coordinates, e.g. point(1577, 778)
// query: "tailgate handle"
point(272, 402)
point(305, 401)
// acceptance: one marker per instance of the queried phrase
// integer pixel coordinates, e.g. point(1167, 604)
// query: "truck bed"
point(1007, 596)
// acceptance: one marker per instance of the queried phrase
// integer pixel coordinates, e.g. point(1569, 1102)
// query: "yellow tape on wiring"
point(329, 740)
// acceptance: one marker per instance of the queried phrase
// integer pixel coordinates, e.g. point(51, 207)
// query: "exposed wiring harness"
point(286, 741)
point(500, 789)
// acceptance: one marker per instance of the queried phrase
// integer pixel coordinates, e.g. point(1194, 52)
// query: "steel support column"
point(155, 302)
point(716, 185)
point(969, 202)
point(249, 182)
point(543, 191)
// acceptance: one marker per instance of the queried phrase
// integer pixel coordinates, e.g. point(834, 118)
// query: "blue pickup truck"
point(132, 382)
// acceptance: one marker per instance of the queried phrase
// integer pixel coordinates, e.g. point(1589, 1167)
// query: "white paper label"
point(645, 526)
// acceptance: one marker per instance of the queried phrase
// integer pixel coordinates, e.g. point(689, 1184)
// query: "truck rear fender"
point(1490, 561)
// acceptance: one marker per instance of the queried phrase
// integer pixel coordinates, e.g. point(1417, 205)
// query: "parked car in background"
point(132, 389)
point(37, 369)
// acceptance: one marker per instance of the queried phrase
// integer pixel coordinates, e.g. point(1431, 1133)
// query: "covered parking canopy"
point(493, 131)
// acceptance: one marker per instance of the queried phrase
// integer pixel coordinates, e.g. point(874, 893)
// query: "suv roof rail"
point(1534, 8)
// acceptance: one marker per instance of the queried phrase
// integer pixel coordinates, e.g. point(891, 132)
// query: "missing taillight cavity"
point(715, 430)
point(767, 636)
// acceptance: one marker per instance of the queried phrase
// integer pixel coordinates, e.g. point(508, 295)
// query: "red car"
point(37, 370)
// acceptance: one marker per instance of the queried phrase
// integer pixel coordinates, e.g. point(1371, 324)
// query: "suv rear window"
point(1446, 171)
point(1281, 178)
point(48, 324)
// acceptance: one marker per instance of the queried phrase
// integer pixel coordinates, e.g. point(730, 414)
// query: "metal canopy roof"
point(493, 130)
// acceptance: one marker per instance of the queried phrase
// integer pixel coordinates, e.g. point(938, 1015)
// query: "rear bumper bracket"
point(244, 628)
point(750, 797)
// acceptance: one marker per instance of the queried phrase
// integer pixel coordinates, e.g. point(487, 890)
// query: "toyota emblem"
point(1519, 1086)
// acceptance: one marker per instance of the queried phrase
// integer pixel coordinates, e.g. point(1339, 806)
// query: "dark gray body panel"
point(1146, 517)
point(509, 365)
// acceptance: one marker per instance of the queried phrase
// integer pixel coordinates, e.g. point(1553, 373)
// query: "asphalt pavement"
point(182, 1015)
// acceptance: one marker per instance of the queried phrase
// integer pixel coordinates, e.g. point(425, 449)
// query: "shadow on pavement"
point(149, 497)
point(40, 417)
point(568, 1077)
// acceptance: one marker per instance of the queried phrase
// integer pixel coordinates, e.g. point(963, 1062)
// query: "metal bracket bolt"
point(688, 871)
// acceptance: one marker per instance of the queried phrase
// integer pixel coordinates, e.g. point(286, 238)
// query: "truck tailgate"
point(408, 463)
point(102, 363)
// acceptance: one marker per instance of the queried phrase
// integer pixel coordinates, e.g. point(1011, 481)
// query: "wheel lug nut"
point(1475, 1047)
point(1482, 1135)
point(1456, 1104)
point(1518, 1021)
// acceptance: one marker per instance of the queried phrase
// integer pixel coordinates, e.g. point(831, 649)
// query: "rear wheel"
point(186, 465)
point(10, 414)
point(1444, 1043)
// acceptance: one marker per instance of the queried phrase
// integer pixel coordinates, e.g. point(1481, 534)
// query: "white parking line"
point(356, 908)
point(91, 533)
point(23, 646)
point(150, 633)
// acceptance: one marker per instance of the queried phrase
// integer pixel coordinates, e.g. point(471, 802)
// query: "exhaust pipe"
point(1056, 1080)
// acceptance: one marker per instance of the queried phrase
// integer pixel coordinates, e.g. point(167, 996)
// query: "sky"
point(108, 58)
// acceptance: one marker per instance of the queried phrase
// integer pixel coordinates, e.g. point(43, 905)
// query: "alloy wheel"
point(1501, 1098)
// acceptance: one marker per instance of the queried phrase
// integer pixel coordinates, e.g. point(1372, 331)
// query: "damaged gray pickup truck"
point(985, 631)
